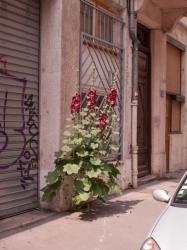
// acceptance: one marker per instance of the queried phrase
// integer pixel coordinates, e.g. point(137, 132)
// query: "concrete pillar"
point(50, 84)
point(60, 31)
point(158, 95)
point(126, 167)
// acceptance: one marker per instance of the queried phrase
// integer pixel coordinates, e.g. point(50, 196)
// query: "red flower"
point(102, 121)
point(91, 98)
point(112, 97)
point(75, 104)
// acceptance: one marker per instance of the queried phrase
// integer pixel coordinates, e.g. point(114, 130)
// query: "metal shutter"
point(19, 105)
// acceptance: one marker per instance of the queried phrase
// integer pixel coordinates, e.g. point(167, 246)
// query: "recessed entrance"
point(144, 109)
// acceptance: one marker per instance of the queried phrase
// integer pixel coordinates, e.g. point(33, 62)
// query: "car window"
point(181, 196)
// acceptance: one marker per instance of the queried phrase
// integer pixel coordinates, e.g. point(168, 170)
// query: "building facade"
point(47, 47)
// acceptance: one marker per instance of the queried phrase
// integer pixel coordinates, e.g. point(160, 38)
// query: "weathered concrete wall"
point(70, 56)
point(59, 64)
point(126, 168)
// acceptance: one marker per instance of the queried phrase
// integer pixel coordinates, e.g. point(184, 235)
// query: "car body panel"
point(170, 231)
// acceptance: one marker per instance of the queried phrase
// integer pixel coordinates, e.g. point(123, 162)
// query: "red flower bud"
point(75, 104)
point(91, 98)
point(112, 97)
point(102, 121)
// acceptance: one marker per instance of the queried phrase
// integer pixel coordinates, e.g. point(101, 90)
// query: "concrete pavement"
point(120, 224)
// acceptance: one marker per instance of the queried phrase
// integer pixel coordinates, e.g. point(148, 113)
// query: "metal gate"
point(102, 51)
point(19, 105)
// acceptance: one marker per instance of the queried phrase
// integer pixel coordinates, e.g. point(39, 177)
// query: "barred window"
point(101, 49)
point(96, 23)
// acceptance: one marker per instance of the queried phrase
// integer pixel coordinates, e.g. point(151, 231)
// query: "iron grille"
point(101, 49)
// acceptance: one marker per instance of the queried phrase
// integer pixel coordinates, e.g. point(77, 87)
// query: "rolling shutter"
point(19, 105)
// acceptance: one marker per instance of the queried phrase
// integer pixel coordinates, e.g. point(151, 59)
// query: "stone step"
point(146, 179)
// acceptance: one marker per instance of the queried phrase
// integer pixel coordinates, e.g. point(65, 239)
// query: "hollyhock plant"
point(86, 148)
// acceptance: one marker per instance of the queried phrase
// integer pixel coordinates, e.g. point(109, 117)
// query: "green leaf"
point(114, 148)
point(78, 141)
point(50, 190)
point(52, 177)
point(100, 189)
point(83, 185)
point(81, 197)
point(111, 169)
point(93, 173)
point(95, 161)
point(71, 168)
point(94, 132)
point(48, 195)
point(58, 153)
point(82, 154)
point(103, 152)
point(66, 149)
point(94, 145)
point(87, 135)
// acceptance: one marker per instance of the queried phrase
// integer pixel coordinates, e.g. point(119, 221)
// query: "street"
point(120, 224)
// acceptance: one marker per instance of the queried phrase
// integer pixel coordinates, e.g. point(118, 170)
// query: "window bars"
point(101, 48)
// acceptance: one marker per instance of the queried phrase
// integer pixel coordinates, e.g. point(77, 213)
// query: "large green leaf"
point(49, 191)
point(111, 169)
point(52, 177)
point(83, 184)
point(100, 188)
point(48, 195)
point(81, 197)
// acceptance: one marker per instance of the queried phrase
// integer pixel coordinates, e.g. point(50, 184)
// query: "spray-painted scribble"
point(29, 159)
point(16, 130)
point(21, 131)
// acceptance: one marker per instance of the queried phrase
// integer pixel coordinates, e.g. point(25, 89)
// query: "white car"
point(170, 229)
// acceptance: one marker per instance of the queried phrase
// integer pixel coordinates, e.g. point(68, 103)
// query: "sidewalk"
point(120, 224)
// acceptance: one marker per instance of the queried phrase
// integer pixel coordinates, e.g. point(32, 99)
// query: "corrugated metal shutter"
point(19, 109)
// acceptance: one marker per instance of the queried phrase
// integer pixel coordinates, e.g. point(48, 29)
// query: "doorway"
point(144, 101)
